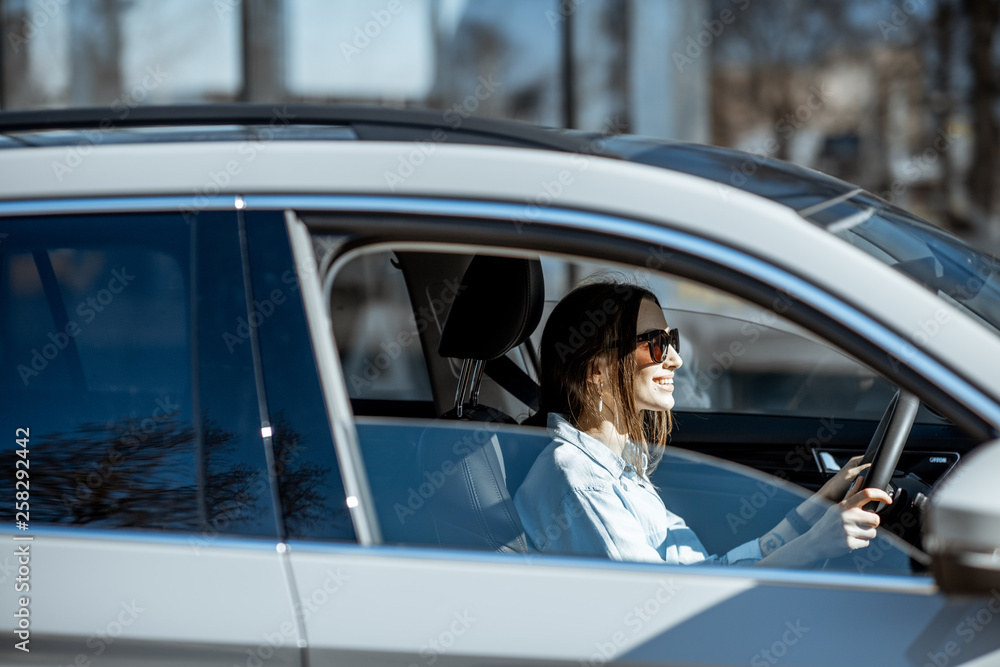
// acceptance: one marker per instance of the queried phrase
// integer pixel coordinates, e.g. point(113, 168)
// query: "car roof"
point(799, 188)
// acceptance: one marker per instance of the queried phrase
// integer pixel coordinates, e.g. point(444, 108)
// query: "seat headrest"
point(498, 306)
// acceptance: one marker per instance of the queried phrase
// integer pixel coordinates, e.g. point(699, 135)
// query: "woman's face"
point(654, 383)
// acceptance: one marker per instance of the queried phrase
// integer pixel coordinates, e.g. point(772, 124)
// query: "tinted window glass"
point(311, 492)
point(237, 496)
point(98, 330)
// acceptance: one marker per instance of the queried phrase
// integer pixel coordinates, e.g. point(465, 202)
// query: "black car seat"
point(498, 306)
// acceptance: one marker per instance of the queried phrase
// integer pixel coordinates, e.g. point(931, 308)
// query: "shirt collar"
point(591, 446)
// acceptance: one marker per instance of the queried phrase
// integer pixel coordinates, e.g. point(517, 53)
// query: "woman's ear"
point(596, 372)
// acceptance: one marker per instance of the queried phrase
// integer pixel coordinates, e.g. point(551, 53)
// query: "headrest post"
point(477, 378)
point(463, 385)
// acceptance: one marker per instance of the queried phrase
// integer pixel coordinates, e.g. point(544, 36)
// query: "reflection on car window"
point(310, 489)
point(100, 322)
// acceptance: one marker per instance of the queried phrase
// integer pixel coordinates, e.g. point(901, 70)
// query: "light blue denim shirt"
point(581, 498)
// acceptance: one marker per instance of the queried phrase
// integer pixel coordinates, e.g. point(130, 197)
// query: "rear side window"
point(378, 333)
point(113, 360)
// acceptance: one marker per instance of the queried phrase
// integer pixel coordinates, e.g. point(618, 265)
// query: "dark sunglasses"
point(658, 342)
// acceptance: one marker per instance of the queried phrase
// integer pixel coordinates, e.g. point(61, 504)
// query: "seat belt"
point(511, 377)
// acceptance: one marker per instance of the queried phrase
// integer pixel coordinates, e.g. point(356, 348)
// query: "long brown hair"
point(597, 322)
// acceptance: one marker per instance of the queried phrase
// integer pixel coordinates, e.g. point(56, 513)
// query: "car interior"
point(439, 349)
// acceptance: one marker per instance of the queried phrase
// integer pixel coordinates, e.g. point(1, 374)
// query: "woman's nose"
point(673, 358)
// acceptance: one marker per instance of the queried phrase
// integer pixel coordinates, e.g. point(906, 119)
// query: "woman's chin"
point(662, 404)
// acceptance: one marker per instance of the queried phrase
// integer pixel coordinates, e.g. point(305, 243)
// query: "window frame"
point(374, 222)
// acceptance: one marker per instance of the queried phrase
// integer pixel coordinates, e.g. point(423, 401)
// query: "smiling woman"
point(608, 361)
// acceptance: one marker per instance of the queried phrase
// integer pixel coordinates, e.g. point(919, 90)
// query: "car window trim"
point(186, 205)
point(338, 406)
point(266, 432)
point(191, 540)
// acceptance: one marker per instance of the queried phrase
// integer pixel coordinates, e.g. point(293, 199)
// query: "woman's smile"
point(665, 382)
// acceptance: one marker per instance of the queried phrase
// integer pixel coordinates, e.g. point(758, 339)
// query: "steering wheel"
point(883, 453)
point(889, 439)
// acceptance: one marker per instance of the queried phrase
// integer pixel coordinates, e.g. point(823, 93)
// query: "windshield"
point(936, 259)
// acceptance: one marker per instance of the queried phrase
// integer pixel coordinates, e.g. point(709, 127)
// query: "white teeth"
point(662, 381)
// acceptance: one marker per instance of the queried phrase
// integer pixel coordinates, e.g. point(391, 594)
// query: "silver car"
point(265, 370)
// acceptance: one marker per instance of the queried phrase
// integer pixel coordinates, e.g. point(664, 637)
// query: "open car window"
point(738, 357)
point(790, 388)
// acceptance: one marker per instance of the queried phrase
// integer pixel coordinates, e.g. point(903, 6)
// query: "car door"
point(148, 532)
point(397, 599)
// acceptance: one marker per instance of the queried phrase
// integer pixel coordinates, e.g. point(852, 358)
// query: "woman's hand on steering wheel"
point(845, 526)
point(836, 487)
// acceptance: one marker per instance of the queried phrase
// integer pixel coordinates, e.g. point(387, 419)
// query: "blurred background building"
point(899, 96)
